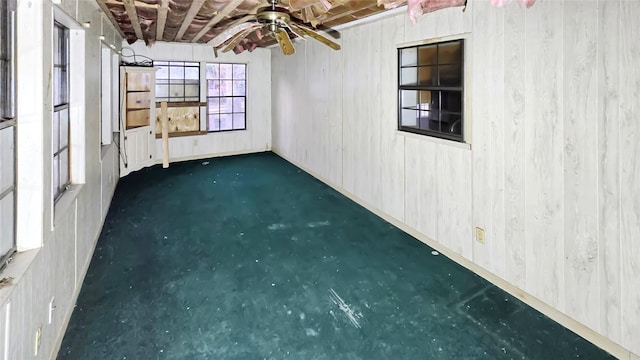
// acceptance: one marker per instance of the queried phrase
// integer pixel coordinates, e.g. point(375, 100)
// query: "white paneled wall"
point(61, 250)
point(257, 136)
point(552, 167)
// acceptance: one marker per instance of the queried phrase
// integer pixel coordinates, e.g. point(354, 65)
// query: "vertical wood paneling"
point(422, 195)
point(580, 161)
point(609, 168)
point(483, 17)
point(391, 144)
point(352, 110)
point(543, 151)
point(514, 146)
point(630, 173)
point(454, 198)
point(335, 116)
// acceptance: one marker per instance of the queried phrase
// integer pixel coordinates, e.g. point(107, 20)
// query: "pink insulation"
point(418, 7)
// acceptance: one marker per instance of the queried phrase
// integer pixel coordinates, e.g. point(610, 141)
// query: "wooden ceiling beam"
point(109, 16)
point(226, 10)
point(161, 19)
point(188, 19)
point(133, 17)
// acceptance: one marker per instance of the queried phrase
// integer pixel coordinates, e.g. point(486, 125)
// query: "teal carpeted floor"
point(249, 257)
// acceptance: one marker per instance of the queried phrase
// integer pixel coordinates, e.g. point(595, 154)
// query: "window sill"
point(63, 204)
point(445, 142)
point(16, 270)
point(183, 133)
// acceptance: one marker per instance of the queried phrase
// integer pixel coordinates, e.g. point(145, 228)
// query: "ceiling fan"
point(276, 21)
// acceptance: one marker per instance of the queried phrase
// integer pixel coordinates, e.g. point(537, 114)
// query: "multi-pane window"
point(7, 131)
point(60, 126)
point(226, 97)
point(430, 91)
point(177, 81)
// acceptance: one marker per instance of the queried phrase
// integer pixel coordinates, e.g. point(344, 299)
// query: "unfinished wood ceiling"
point(199, 21)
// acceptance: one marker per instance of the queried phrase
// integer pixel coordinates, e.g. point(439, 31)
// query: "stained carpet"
point(248, 257)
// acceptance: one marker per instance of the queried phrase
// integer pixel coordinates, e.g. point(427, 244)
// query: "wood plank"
point(514, 146)
point(483, 102)
point(226, 10)
point(609, 168)
point(630, 173)
point(391, 144)
point(422, 195)
point(161, 19)
point(133, 16)
point(188, 19)
point(543, 154)
point(109, 16)
point(580, 162)
point(164, 120)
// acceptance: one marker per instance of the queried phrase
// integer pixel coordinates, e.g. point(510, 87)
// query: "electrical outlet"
point(480, 235)
point(36, 340)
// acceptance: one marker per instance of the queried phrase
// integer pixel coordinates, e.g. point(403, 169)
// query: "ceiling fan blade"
point(285, 42)
point(233, 30)
point(295, 29)
point(238, 38)
point(319, 37)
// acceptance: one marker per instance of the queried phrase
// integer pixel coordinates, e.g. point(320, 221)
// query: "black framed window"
point(7, 131)
point(226, 97)
point(431, 88)
point(177, 81)
point(60, 133)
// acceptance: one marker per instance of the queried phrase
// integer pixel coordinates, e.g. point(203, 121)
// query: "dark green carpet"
point(248, 257)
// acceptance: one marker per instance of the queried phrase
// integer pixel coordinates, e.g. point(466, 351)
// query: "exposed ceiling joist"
point(109, 15)
point(216, 19)
point(133, 17)
point(137, 3)
point(191, 14)
point(162, 19)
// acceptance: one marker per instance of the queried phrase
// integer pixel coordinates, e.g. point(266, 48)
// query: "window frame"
point(159, 81)
point(61, 105)
point(8, 111)
point(220, 96)
point(439, 89)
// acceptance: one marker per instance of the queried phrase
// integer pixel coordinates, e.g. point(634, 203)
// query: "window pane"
point(226, 88)
point(238, 88)
point(409, 57)
point(226, 71)
point(7, 230)
point(214, 123)
point(451, 124)
point(238, 121)
point(56, 174)
point(6, 159)
point(409, 118)
point(213, 88)
point(176, 90)
point(409, 76)
point(213, 105)
point(428, 55)
point(190, 64)
point(213, 71)
point(452, 101)
point(450, 75)
point(427, 75)
point(429, 120)
point(55, 133)
point(429, 100)
point(64, 168)
point(238, 105)
point(409, 98)
point(176, 73)
point(226, 122)
point(64, 128)
point(192, 90)
point(64, 87)
point(57, 84)
point(162, 73)
point(226, 105)
point(450, 53)
point(192, 73)
point(57, 53)
point(239, 71)
point(162, 91)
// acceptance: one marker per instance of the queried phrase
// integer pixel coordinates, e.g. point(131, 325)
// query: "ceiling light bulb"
point(86, 25)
